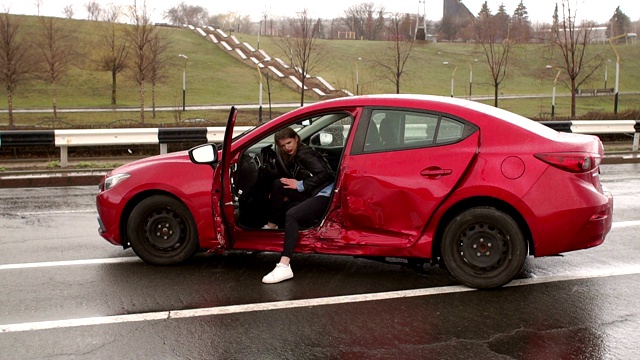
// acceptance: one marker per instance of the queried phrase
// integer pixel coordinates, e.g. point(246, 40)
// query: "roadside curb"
point(53, 180)
point(614, 158)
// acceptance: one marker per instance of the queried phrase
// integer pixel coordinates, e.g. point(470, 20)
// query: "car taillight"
point(577, 162)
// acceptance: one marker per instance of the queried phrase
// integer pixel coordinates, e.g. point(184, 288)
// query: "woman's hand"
point(289, 183)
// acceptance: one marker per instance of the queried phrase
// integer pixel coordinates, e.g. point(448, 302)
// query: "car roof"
point(432, 102)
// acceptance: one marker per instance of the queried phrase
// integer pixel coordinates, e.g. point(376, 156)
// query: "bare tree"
point(365, 19)
point(112, 13)
point(490, 35)
point(113, 53)
point(15, 60)
point(68, 11)
point(57, 53)
point(158, 47)
point(93, 10)
point(140, 35)
point(572, 42)
point(302, 47)
point(268, 80)
point(393, 61)
point(184, 14)
point(243, 23)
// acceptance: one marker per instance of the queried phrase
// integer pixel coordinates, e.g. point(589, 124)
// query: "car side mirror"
point(326, 139)
point(204, 154)
point(322, 139)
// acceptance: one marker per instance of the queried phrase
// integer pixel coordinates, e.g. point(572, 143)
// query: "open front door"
point(221, 196)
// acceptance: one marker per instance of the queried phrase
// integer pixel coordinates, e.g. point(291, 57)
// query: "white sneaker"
point(280, 273)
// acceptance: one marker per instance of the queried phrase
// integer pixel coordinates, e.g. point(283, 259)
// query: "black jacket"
point(313, 169)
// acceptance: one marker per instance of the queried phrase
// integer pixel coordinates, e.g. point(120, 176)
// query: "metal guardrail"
point(598, 127)
point(65, 138)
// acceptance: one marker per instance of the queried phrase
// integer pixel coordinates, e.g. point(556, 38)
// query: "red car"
point(424, 178)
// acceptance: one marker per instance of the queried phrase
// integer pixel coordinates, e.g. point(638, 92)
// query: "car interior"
point(260, 164)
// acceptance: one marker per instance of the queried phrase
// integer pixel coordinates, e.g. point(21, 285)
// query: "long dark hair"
point(286, 133)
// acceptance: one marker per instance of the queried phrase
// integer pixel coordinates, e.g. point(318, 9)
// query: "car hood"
point(180, 156)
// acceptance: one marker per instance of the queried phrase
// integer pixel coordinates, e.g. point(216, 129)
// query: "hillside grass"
point(216, 78)
point(425, 71)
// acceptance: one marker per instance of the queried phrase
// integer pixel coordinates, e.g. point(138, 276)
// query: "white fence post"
point(635, 141)
point(163, 148)
point(64, 156)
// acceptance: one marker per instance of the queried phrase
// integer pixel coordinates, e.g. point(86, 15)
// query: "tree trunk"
point(495, 95)
point(302, 91)
point(573, 98)
point(153, 100)
point(142, 102)
point(54, 98)
point(113, 87)
point(10, 99)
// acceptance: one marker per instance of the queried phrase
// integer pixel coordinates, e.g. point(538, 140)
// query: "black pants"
point(280, 200)
point(306, 213)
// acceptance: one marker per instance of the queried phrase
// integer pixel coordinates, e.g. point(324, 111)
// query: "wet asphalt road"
point(66, 293)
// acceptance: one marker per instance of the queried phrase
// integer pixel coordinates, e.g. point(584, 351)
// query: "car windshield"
point(296, 126)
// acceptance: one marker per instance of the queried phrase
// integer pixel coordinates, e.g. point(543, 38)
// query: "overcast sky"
point(539, 10)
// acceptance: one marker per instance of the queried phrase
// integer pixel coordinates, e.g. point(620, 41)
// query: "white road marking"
point(279, 305)
point(69, 263)
point(622, 224)
point(56, 212)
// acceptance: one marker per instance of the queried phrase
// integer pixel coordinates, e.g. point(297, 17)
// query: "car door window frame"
point(360, 137)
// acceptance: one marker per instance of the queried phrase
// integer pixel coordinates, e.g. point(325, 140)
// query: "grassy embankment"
point(216, 78)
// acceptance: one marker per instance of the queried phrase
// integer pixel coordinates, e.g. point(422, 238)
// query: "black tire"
point(483, 248)
point(162, 231)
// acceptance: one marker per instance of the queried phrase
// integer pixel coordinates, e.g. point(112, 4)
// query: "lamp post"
point(357, 78)
point(259, 94)
point(615, 90)
point(553, 92)
point(606, 70)
point(470, 79)
point(452, 74)
point(184, 82)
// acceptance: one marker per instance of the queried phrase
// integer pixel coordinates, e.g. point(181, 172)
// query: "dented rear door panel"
point(388, 197)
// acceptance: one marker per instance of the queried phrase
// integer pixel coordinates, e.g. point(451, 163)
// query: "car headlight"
point(114, 180)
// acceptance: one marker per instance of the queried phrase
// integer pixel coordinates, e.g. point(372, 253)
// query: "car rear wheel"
point(483, 248)
point(162, 231)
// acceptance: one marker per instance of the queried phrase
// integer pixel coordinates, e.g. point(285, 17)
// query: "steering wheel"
point(271, 156)
point(282, 169)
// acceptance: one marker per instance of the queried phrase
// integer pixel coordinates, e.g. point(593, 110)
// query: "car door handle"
point(435, 172)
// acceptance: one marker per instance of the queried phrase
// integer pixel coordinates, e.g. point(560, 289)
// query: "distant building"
point(596, 35)
point(456, 9)
point(455, 16)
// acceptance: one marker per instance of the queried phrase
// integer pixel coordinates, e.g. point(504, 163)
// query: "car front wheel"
point(162, 231)
point(483, 248)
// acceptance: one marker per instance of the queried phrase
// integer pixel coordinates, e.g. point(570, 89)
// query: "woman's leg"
point(301, 215)
point(304, 213)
